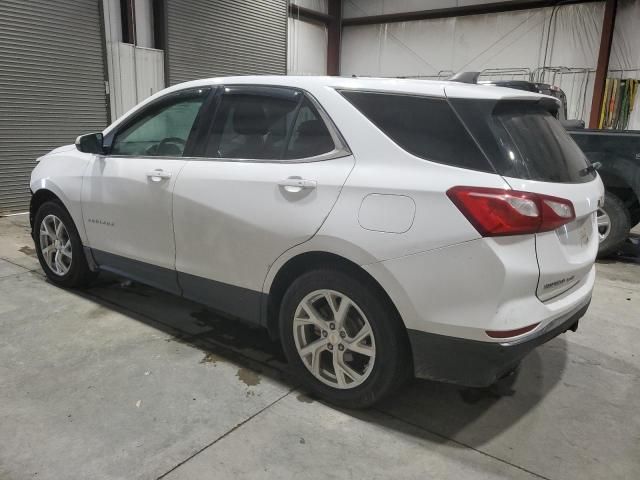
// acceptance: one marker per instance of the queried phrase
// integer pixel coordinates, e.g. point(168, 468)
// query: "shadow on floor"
point(442, 410)
point(629, 253)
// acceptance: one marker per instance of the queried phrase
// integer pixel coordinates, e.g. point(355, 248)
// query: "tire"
point(620, 224)
point(390, 366)
point(74, 270)
point(635, 217)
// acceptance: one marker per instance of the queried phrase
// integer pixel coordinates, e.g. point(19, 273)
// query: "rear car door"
point(534, 153)
point(271, 169)
point(127, 194)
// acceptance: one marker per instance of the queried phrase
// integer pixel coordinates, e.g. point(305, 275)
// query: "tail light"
point(496, 212)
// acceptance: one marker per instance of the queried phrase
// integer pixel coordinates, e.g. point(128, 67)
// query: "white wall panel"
point(124, 79)
point(516, 40)
point(625, 49)
point(149, 72)
point(477, 42)
point(307, 48)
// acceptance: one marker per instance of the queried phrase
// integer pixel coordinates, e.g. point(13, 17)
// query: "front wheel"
point(342, 340)
point(59, 247)
point(614, 224)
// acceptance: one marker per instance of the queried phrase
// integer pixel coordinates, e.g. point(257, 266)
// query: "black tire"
point(620, 225)
point(79, 274)
point(635, 217)
point(392, 364)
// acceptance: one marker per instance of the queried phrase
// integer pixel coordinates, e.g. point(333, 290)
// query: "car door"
point(271, 170)
point(127, 194)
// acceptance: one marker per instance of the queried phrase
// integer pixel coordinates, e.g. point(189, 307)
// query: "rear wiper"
point(590, 169)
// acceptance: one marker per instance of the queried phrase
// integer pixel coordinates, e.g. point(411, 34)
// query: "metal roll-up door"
point(210, 38)
point(51, 85)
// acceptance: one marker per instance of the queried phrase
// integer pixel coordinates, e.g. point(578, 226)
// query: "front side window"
point(264, 127)
point(163, 129)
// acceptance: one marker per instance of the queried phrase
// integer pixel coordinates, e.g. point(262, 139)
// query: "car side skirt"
point(243, 303)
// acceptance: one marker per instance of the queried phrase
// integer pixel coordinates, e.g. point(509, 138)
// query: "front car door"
point(127, 194)
point(271, 170)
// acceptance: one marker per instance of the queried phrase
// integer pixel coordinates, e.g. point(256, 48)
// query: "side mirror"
point(90, 143)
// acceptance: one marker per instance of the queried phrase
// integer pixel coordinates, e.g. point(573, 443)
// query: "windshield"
point(523, 140)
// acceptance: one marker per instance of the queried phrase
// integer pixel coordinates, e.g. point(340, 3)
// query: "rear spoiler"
point(465, 77)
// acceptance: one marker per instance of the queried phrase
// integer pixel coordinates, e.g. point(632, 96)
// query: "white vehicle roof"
point(401, 85)
point(432, 88)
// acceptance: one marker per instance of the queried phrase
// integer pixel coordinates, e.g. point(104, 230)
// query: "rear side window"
point(425, 127)
point(524, 140)
point(264, 127)
point(309, 136)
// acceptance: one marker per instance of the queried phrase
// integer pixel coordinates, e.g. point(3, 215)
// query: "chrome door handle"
point(296, 184)
point(158, 175)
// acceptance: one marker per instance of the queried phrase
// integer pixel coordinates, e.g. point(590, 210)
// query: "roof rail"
point(465, 77)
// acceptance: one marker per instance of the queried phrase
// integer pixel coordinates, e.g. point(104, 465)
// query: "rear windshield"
point(426, 127)
point(524, 140)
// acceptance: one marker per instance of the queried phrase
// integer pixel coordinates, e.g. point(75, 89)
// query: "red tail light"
point(497, 212)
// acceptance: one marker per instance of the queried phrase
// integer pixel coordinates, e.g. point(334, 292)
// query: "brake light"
point(499, 212)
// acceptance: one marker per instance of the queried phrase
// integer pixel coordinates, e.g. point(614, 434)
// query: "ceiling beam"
point(494, 7)
point(308, 15)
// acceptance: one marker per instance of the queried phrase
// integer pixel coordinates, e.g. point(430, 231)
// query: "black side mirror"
point(90, 143)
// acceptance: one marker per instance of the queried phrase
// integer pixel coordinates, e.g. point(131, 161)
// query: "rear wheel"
point(614, 223)
point(59, 247)
point(343, 341)
point(635, 216)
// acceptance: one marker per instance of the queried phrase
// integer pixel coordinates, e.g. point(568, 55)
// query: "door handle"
point(158, 175)
point(297, 184)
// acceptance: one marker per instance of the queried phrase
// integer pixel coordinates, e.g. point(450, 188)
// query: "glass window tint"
point(310, 136)
point(163, 130)
point(251, 126)
point(425, 127)
point(524, 140)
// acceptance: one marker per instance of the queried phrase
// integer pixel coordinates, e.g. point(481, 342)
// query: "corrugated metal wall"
point(209, 38)
point(51, 85)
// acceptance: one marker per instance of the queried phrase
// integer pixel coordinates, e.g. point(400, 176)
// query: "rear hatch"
point(531, 150)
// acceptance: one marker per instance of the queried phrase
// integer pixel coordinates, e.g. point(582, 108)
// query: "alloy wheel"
point(604, 224)
point(55, 245)
point(334, 339)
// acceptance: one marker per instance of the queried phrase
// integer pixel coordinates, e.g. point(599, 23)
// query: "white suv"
point(380, 228)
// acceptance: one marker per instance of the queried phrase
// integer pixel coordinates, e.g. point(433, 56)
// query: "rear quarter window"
point(524, 140)
point(425, 127)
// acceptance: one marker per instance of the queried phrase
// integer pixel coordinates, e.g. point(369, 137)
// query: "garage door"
point(51, 85)
point(209, 38)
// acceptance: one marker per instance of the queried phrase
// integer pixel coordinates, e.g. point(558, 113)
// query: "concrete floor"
point(121, 382)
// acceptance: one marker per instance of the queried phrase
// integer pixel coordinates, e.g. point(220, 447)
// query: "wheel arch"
point(307, 261)
point(37, 199)
point(623, 188)
point(50, 191)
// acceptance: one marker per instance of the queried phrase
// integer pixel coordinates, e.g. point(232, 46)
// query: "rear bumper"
point(475, 363)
